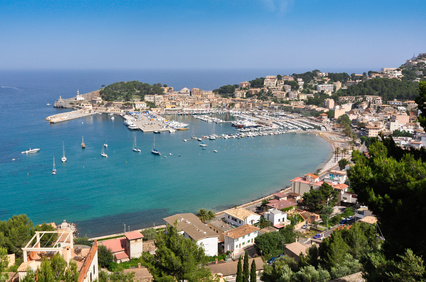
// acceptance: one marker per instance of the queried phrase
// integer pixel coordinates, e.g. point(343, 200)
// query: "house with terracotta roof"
point(85, 257)
point(294, 250)
point(125, 248)
point(192, 227)
point(239, 238)
point(301, 185)
point(281, 204)
point(241, 216)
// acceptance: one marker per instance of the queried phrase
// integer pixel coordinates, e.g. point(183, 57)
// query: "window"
point(94, 268)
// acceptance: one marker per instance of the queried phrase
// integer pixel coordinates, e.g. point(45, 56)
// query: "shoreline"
point(322, 168)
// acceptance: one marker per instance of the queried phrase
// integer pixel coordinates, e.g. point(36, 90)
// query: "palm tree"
point(205, 215)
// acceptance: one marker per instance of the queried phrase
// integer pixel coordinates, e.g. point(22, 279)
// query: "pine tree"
point(239, 271)
point(253, 276)
point(246, 272)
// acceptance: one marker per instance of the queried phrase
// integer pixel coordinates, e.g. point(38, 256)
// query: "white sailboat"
point(54, 167)
point(135, 148)
point(103, 154)
point(63, 159)
point(83, 146)
point(105, 144)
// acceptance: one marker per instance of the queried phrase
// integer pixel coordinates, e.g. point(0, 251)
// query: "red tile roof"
point(312, 175)
point(120, 256)
point(115, 245)
point(340, 186)
point(133, 235)
point(281, 204)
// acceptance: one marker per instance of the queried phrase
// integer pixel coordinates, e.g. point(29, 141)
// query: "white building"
point(240, 238)
point(327, 88)
point(192, 227)
point(270, 81)
point(276, 217)
point(241, 216)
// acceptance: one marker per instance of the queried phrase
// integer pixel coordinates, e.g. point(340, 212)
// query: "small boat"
point(112, 118)
point(63, 159)
point(54, 168)
point(135, 148)
point(105, 144)
point(83, 146)
point(132, 127)
point(103, 154)
point(156, 132)
point(48, 104)
point(31, 151)
point(215, 151)
point(155, 151)
point(199, 139)
point(172, 130)
point(170, 154)
point(203, 145)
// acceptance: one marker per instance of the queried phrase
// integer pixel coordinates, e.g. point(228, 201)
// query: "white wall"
point(93, 272)
point(239, 243)
point(210, 245)
point(136, 248)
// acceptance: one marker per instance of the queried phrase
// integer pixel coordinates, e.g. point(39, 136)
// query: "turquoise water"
point(136, 189)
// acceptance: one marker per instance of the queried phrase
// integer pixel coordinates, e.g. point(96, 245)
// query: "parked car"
point(343, 221)
point(317, 236)
point(271, 260)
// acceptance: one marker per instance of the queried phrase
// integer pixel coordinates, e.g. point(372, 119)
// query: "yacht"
point(203, 145)
point(31, 151)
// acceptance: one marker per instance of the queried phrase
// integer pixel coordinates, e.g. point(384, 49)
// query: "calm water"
point(136, 189)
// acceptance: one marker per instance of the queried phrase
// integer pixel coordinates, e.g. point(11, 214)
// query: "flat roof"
point(191, 225)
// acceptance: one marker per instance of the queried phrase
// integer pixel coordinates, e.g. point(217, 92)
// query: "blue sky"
point(93, 34)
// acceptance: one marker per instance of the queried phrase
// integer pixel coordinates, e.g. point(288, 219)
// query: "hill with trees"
point(125, 91)
point(388, 89)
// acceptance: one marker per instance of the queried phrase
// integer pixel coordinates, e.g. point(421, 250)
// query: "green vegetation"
point(239, 277)
point(403, 133)
point(54, 269)
point(149, 234)
point(317, 100)
point(253, 276)
point(337, 256)
point(339, 76)
point(421, 103)
point(391, 182)
point(343, 163)
point(272, 243)
point(116, 276)
point(124, 91)
point(15, 233)
point(226, 90)
point(257, 83)
point(83, 241)
point(176, 258)
point(388, 89)
point(205, 215)
point(315, 200)
point(294, 85)
point(307, 76)
point(105, 257)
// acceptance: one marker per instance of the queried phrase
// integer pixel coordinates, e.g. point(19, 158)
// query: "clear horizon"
point(210, 34)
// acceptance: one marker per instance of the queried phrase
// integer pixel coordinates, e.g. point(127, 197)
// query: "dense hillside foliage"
point(388, 89)
point(124, 91)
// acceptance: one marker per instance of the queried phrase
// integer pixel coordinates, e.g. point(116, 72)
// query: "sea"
point(129, 190)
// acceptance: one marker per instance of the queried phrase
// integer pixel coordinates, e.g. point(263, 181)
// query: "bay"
point(136, 189)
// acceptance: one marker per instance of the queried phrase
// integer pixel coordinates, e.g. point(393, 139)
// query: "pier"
point(69, 116)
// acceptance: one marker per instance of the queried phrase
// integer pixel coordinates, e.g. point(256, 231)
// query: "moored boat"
point(63, 159)
point(31, 151)
point(83, 146)
point(54, 167)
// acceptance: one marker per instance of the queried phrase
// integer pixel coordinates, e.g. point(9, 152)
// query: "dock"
point(69, 116)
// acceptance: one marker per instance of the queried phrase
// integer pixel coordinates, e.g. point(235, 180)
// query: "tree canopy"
point(315, 200)
point(15, 233)
point(388, 89)
point(176, 258)
point(124, 91)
